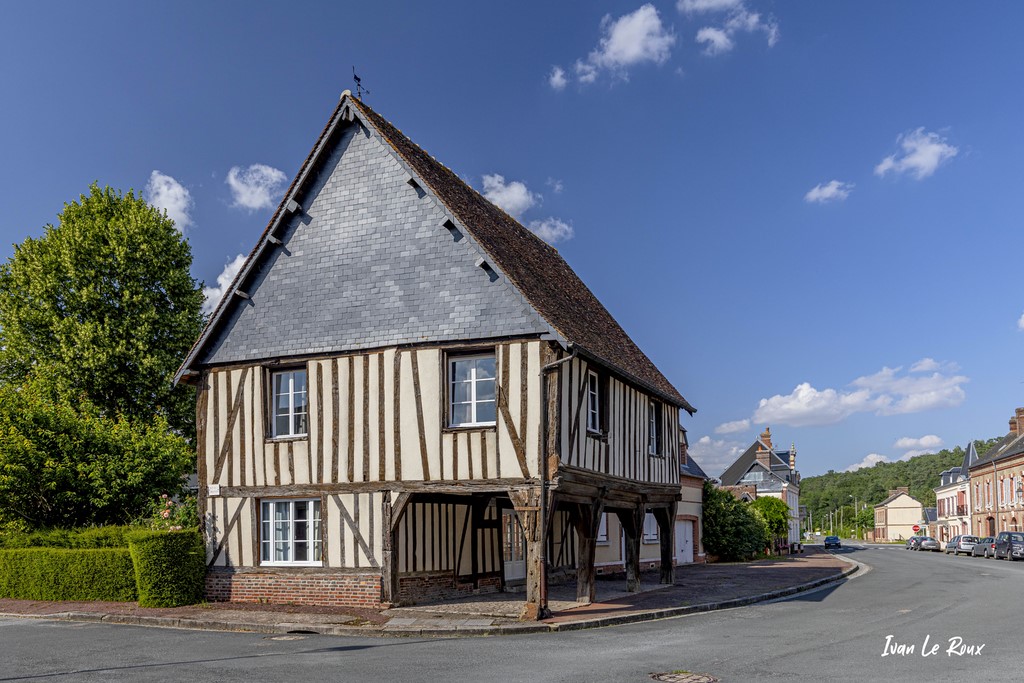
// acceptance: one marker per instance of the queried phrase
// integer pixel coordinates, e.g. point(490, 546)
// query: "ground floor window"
point(650, 529)
point(290, 532)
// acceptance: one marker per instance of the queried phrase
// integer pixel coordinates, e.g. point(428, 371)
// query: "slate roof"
point(534, 267)
point(691, 468)
point(742, 464)
point(970, 459)
point(931, 515)
point(1010, 445)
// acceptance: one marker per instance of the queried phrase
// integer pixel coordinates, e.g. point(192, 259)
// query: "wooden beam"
point(632, 522)
point(666, 527)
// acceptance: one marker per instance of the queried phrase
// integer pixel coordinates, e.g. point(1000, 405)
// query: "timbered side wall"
point(372, 417)
point(446, 537)
point(622, 449)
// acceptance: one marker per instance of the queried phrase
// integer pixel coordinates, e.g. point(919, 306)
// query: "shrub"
point(170, 515)
point(731, 529)
point(63, 574)
point(170, 567)
point(91, 537)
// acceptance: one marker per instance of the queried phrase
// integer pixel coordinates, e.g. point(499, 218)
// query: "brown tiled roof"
point(533, 266)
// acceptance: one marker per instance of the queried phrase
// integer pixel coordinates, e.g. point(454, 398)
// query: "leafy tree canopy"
point(104, 306)
point(732, 530)
point(775, 514)
point(69, 466)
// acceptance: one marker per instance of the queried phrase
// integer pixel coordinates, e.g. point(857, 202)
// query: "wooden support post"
point(527, 506)
point(587, 521)
point(392, 515)
point(666, 525)
point(632, 521)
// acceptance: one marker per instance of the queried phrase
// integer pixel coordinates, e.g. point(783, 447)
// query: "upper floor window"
point(654, 428)
point(471, 391)
point(290, 406)
point(593, 402)
point(290, 532)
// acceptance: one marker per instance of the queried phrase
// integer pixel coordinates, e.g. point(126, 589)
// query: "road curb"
point(282, 628)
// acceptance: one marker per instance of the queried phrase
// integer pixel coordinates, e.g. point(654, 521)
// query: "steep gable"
point(367, 262)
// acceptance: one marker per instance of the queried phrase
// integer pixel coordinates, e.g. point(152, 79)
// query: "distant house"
point(997, 483)
point(763, 470)
point(953, 498)
point(929, 522)
point(896, 516)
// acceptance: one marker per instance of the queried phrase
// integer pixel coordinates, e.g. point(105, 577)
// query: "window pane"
point(485, 390)
point(281, 425)
point(461, 413)
point(299, 381)
point(301, 551)
point(485, 411)
point(485, 367)
point(461, 392)
point(300, 424)
point(460, 370)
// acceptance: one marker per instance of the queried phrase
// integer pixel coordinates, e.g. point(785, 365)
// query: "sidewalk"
point(697, 588)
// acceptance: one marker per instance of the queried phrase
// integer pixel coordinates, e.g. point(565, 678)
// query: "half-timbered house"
point(404, 393)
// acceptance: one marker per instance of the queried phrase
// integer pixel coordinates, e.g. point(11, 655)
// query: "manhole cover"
point(684, 677)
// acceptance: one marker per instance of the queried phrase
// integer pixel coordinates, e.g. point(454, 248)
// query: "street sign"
point(917, 527)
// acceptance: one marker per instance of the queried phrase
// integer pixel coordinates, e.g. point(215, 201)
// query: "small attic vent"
point(416, 186)
point(453, 229)
point(486, 267)
point(292, 206)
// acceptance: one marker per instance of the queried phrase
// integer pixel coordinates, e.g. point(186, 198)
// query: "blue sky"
point(806, 213)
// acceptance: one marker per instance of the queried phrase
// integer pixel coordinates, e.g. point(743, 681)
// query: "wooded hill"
point(833, 490)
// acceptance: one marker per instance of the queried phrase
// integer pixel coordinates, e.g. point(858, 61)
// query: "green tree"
point(68, 466)
point(103, 305)
point(731, 529)
point(775, 514)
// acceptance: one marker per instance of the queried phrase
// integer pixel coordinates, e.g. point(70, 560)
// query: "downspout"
point(543, 611)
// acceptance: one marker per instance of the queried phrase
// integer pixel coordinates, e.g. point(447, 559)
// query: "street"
point(909, 605)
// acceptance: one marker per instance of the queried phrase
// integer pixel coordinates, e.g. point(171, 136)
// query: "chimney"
point(1013, 425)
point(1019, 418)
point(792, 455)
point(764, 457)
point(766, 437)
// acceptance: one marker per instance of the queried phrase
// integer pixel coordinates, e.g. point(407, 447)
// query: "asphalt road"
point(837, 634)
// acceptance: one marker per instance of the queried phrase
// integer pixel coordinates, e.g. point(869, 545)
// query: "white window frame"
point(602, 530)
point(593, 402)
point(473, 382)
point(290, 410)
point(271, 541)
point(650, 534)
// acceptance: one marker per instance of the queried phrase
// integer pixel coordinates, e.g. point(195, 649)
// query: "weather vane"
point(360, 90)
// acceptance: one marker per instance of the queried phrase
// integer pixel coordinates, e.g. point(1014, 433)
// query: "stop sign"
point(917, 527)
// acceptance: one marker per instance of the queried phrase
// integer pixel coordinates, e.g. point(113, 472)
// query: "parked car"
point(832, 542)
point(984, 547)
point(912, 542)
point(961, 544)
point(929, 543)
point(1008, 545)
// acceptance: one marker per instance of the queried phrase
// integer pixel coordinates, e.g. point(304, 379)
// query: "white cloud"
point(635, 38)
point(732, 427)
point(721, 39)
point(887, 392)
point(715, 40)
point(513, 197)
point(926, 441)
point(164, 192)
point(555, 185)
point(829, 192)
point(215, 294)
point(870, 460)
point(557, 79)
point(255, 187)
point(715, 455)
point(1020, 322)
point(925, 365)
point(697, 6)
point(921, 155)
point(552, 230)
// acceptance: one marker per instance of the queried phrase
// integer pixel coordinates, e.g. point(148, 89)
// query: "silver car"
point(961, 544)
point(929, 543)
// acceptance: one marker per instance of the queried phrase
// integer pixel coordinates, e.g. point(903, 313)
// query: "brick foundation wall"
point(428, 586)
point(294, 588)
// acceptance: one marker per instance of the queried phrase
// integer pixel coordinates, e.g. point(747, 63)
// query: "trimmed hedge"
point(92, 537)
point(170, 567)
point(61, 574)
